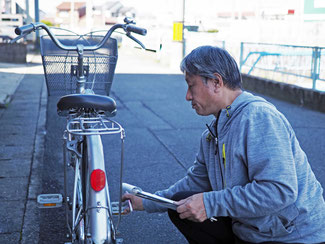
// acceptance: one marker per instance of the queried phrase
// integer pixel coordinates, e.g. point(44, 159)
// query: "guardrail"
point(299, 65)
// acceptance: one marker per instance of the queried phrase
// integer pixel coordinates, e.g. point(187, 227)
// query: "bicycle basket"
point(60, 66)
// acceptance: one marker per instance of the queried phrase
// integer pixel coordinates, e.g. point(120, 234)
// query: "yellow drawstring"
point(224, 161)
point(227, 108)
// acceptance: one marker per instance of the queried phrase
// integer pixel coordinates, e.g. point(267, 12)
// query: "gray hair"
point(207, 60)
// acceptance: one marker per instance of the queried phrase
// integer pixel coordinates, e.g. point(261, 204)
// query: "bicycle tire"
point(83, 167)
point(80, 192)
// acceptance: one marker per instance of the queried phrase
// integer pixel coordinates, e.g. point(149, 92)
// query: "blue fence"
point(299, 65)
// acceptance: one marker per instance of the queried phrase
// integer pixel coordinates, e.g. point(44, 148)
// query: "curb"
point(11, 81)
point(31, 223)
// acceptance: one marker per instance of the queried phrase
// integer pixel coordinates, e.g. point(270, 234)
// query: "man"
point(250, 173)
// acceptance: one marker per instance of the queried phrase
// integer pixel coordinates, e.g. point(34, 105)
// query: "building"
point(12, 15)
point(87, 14)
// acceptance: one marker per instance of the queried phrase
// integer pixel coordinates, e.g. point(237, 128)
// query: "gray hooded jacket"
point(256, 173)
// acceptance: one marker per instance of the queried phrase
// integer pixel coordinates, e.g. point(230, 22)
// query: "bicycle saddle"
point(86, 101)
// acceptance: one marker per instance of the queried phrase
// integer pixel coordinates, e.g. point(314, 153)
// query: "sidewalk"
point(22, 116)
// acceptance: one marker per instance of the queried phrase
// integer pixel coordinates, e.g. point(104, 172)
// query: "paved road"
point(162, 139)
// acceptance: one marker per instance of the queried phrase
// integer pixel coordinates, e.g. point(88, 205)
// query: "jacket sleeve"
point(196, 179)
point(266, 141)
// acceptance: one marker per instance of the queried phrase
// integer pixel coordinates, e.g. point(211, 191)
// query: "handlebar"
point(128, 28)
point(25, 29)
point(135, 29)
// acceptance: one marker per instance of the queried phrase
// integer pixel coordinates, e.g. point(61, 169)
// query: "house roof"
point(65, 6)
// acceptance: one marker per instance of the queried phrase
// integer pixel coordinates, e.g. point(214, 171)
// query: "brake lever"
point(135, 39)
point(18, 38)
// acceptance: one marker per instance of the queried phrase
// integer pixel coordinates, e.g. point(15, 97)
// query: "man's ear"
point(218, 81)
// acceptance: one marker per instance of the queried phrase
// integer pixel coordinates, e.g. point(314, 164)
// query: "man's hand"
point(192, 208)
point(135, 201)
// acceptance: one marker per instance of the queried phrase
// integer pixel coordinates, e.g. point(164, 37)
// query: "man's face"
point(200, 94)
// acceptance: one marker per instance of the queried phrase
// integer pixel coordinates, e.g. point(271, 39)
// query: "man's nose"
point(188, 96)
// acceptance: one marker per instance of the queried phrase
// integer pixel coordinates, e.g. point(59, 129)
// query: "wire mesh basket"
point(60, 66)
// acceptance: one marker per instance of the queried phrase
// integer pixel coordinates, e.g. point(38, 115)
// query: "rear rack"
point(82, 126)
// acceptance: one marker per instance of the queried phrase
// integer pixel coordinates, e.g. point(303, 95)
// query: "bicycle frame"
point(81, 80)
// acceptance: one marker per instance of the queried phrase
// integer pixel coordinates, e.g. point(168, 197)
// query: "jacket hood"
point(231, 111)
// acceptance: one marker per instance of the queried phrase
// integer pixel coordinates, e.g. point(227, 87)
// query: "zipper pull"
point(214, 136)
point(216, 141)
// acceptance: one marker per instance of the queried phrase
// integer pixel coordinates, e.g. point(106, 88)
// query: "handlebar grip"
point(135, 29)
point(130, 188)
point(25, 29)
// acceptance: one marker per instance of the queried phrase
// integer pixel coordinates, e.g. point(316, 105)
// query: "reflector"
point(97, 179)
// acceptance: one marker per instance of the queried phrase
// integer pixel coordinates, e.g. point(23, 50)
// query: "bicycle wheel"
point(79, 193)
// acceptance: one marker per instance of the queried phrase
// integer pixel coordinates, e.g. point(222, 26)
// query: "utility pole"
point(37, 20)
point(184, 40)
point(36, 11)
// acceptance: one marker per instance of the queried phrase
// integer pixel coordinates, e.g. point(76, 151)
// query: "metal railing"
point(299, 65)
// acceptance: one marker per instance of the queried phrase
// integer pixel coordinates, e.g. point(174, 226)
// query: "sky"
point(156, 5)
point(142, 5)
point(49, 6)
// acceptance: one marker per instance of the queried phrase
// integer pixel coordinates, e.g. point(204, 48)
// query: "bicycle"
point(88, 63)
